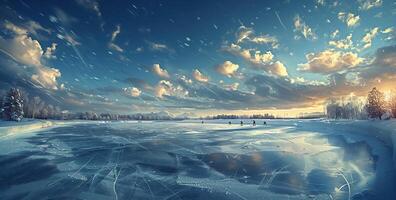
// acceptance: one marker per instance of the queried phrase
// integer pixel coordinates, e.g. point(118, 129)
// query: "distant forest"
point(376, 105)
point(16, 105)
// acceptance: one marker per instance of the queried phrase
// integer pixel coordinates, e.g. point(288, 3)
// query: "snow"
point(12, 128)
point(285, 159)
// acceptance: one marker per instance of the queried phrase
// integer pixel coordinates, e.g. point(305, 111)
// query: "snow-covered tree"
point(13, 105)
point(375, 103)
point(351, 107)
point(392, 103)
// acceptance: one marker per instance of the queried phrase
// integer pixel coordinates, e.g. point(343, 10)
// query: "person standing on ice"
point(229, 123)
point(241, 123)
point(265, 123)
point(254, 123)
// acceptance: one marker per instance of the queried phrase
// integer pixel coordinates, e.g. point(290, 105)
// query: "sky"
point(198, 57)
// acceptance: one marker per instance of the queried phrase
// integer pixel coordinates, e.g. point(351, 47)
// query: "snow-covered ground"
point(285, 159)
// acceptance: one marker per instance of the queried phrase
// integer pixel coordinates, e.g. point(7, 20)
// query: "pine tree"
point(13, 105)
point(376, 103)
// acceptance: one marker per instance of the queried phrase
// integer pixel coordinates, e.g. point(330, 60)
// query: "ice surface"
point(286, 159)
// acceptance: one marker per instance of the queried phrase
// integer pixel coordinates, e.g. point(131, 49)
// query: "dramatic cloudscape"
point(199, 57)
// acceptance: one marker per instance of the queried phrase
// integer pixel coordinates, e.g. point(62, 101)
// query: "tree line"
point(254, 116)
point(375, 105)
point(17, 104)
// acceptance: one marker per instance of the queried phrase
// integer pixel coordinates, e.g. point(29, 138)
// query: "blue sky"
point(197, 56)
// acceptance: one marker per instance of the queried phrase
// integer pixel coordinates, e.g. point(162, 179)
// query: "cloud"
point(15, 29)
point(115, 47)
point(349, 18)
point(368, 4)
point(335, 33)
point(247, 34)
point(32, 27)
point(266, 39)
point(329, 61)
point(159, 47)
point(367, 39)
point(163, 73)
point(390, 33)
point(304, 29)
point(49, 53)
point(381, 72)
point(24, 50)
point(386, 57)
point(258, 59)
point(199, 76)
point(63, 17)
point(277, 68)
point(346, 43)
point(134, 92)
point(387, 30)
point(166, 88)
point(114, 35)
point(227, 68)
point(90, 5)
point(243, 33)
point(186, 80)
point(69, 39)
point(231, 87)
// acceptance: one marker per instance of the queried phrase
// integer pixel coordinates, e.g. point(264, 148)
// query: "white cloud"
point(33, 27)
point(304, 29)
point(231, 87)
point(330, 61)
point(159, 47)
point(390, 33)
point(23, 49)
point(111, 44)
point(69, 39)
point(91, 5)
point(335, 33)
point(163, 73)
point(387, 30)
point(16, 29)
point(185, 79)
point(259, 60)
point(245, 33)
point(277, 68)
point(368, 4)
point(367, 39)
point(227, 68)
point(63, 17)
point(346, 43)
point(199, 76)
point(115, 47)
point(349, 18)
point(135, 92)
point(166, 88)
point(49, 53)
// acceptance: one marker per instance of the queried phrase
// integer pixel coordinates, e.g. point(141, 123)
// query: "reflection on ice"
point(167, 160)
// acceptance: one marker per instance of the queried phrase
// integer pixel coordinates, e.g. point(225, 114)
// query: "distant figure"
point(265, 123)
point(254, 123)
point(241, 123)
point(229, 123)
point(202, 122)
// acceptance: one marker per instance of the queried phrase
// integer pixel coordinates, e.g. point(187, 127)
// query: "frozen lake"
point(189, 160)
